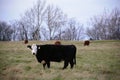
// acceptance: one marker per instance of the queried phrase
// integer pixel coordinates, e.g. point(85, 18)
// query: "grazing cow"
point(86, 43)
point(56, 53)
point(57, 43)
point(26, 41)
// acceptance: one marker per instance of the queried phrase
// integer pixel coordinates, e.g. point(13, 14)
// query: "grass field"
point(99, 61)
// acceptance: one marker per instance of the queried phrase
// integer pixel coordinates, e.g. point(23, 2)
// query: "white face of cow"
point(34, 49)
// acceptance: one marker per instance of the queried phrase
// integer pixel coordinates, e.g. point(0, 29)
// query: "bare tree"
point(74, 30)
point(46, 23)
point(106, 26)
point(54, 20)
point(23, 31)
point(5, 31)
point(15, 29)
point(34, 18)
point(80, 32)
point(114, 24)
point(45, 33)
point(96, 32)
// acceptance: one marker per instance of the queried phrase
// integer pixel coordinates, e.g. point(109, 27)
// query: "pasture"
point(99, 61)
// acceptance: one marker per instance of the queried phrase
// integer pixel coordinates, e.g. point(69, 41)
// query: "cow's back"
point(57, 52)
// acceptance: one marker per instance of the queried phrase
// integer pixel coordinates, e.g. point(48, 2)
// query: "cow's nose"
point(33, 53)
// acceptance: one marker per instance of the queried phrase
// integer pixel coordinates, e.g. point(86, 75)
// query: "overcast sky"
point(82, 10)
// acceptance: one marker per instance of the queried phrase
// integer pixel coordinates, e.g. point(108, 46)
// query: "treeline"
point(106, 26)
point(48, 22)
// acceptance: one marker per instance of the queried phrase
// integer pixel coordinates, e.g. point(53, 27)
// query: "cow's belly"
point(56, 60)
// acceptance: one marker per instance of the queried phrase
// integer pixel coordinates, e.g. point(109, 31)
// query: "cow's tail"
point(74, 58)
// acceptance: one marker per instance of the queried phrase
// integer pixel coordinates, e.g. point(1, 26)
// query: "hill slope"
point(99, 61)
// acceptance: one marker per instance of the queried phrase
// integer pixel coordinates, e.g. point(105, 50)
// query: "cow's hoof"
point(63, 68)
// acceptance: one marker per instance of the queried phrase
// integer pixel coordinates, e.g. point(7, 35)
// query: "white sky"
point(82, 10)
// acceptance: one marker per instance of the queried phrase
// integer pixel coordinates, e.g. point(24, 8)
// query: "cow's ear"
point(29, 47)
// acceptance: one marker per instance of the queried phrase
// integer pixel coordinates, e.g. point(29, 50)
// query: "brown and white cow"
point(86, 43)
point(57, 43)
point(26, 41)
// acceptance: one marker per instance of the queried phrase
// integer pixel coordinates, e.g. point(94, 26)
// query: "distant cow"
point(26, 41)
point(56, 53)
point(86, 43)
point(57, 43)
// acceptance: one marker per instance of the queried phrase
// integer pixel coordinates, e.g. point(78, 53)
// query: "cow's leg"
point(65, 64)
point(48, 64)
point(44, 65)
point(71, 64)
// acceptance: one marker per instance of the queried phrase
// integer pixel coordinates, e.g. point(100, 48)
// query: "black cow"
point(55, 53)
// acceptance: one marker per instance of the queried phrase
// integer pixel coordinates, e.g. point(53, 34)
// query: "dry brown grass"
point(99, 61)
